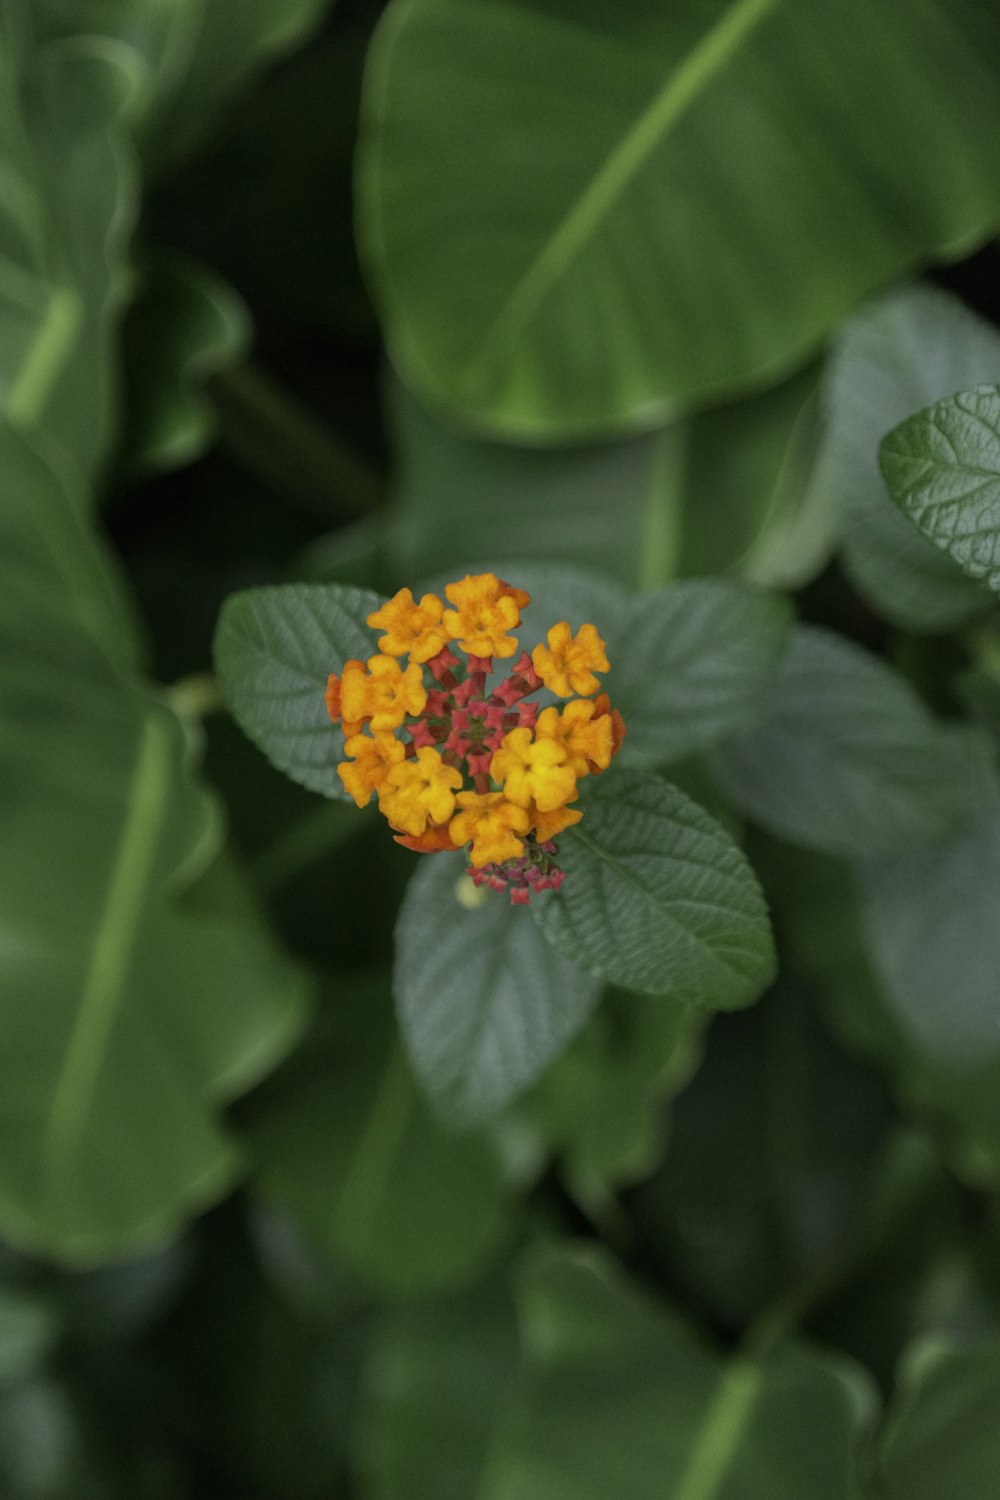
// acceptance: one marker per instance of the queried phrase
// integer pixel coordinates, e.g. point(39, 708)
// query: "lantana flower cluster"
point(457, 763)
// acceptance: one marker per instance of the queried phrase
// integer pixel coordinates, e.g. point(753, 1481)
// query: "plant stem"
point(289, 450)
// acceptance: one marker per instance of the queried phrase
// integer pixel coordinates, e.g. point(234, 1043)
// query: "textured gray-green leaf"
point(910, 348)
point(274, 651)
point(844, 757)
point(696, 660)
point(484, 1002)
point(657, 897)
point(942, 467)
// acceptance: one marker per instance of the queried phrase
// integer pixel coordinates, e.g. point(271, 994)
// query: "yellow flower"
point(419, 791)
point(485, 609)
point(410, 628)
point(567, 664)
point(534, 771)
point(370, 764)
point(492, 824)
point(585, 734)
point(385, 693)
point(548, 825)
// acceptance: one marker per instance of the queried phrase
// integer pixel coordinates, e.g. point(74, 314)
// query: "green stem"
point(196, 696)
point(661, 528)
point(289, 450)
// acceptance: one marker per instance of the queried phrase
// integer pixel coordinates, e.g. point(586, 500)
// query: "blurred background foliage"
point(647, 275)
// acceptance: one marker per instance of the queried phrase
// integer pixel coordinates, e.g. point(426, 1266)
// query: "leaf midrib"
point(110, 956)
point(676, 95)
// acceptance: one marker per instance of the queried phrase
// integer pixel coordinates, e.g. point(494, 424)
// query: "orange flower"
point(370, 764)
point(335, 693)
point(567, 664)
point(485, 609)
point(585, 734)
point(534, 771)
point(602, 704)
point(548, 825)
point(419, 791)
point(413, 629)
point(492, 824)
point(385, 693)
point(433, 840)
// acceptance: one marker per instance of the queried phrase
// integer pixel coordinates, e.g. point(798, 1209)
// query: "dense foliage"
point(325, 1172)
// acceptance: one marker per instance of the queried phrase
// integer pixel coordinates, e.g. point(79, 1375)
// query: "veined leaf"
point(657, 897)
point(128, 1014)
point(598, 287)
point(274, 651)
point(698, 657)
point(484, 1002)
point(844, 757)
point(931, 922)
point(942, 467)
point(898, 355)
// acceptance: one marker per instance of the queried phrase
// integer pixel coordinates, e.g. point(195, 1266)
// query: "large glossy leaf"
point(129, 1011)
point(349, 1148)
point(617, 1395)
point(484, 1002)
point(942, 467)
point(845, 758)
point(730, 488)
point(274, 651)
point(941, 1436)
point(67, 202)
point(900, 354)
point(657, 897)
point(552, 193)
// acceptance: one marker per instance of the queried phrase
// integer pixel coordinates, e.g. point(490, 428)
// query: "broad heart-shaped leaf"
point(484, 1002)
point(942, 467)
point(274, 651)
point(844, 757)
point(899, 354)
point(941, 1435)
point(697, 659)
point(348, 1147)
point(657, 897)
point(67, 204)
point(931, 922)
point(616, 1395)
point(596, 287)
point(128, 1013)
point(730, 488)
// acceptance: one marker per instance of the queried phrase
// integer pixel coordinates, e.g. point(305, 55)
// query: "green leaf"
point(931, 922)
point(484, 1003)
point(618, 1396)
point(901, 353)
point(67, 205)
point(941, 1436)
point(728, 488)
point(696, 659)
point(844, 757)
point(274, 651)
point(942, 467)
point(596, 287)
point(756, 1198)
point(131, 1008)
point(437, 1366)
point(349, 1148)
point(600, 1109)
point(186, 326)
point(657, 897)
